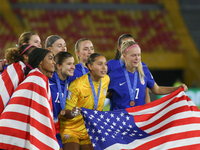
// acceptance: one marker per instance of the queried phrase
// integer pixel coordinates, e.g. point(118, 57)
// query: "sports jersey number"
point(137, 93)
point(57, 100)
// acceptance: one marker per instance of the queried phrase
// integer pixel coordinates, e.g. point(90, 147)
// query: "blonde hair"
point(77, 46)
point(126, 45)
point(25, 37)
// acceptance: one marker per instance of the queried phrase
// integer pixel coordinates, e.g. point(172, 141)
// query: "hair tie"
point(29, 66)
point(134, 45)
point(26, 49)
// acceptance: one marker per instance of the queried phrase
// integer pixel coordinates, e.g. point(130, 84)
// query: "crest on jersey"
point(67, 136)
point(142, 80)
point(104, 92)
point(69, 95)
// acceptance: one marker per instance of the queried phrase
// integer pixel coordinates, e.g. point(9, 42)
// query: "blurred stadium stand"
point(157, 25)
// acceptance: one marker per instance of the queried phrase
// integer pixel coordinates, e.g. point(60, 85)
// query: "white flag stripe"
point(171, 131)
point(33, 147)
point(155, 108)
point(13, 76)
point(29, 94)
point(18, 109)
point(21, 125)
point(174, 125)
point(22, 65)
point(42, 119)
point(49, 93)
point(14, 124)
point(149, 110)
point(16, 76)
point(43, 138)
point(191, 103)
point(36, 80)
point(37, 111)
point(177, 116)
point(4, 93)
point(15, 108)
point(178, 143)
point(160, 114)
point(164, 111)
point(9, 80)
point(15, 141)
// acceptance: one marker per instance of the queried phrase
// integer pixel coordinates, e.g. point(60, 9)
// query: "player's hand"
point(184, 86)
point(75, 111)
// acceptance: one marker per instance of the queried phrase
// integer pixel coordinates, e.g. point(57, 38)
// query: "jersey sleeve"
point(111, 83)
point(112, 65)
point(109, 67)
point(150, 79)
point(73, 95)
point(107, 80)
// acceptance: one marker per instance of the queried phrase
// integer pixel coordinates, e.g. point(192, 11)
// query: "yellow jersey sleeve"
point(73, 95)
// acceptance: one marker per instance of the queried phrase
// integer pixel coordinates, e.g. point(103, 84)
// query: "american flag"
point(11, 77)
point(27, 121)
point(172, 122)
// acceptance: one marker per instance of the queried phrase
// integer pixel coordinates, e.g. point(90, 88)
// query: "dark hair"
point(60, 57)
point(35, 57)
point(25, 37)
point(119, 43)
point(92, 57)
point(51, 39)
point(15, 54)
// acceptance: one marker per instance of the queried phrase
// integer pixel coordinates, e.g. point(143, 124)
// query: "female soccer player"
point(55, 44)
point(128, 83)
point(59, 86)
point(118, 61)
point(27, 121)
point(13, 75)
point(30, 38)
point(83, 49)
point(88, 91)
point(26, 38)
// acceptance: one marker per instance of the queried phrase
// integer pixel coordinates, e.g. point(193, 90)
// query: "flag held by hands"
point(172, 122)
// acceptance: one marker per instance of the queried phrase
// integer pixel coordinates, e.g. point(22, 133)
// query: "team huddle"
point(42, 91)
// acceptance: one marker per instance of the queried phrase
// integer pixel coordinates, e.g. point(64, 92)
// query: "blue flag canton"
point(108, 128)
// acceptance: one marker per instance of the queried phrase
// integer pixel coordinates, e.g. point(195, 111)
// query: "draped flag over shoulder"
point(172, 122)
point(27, 121)
point(11, 77)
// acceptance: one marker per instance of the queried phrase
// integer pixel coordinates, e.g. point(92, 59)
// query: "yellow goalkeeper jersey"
point(80, 95)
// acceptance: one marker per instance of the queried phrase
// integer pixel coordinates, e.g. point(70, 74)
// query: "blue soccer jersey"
point(114, 64)
point(56, 103)
point(120, 98)
point(78, 72)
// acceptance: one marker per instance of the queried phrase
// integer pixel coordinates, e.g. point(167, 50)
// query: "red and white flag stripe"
point(27, 121)
point(10, 78)
point(172, 121)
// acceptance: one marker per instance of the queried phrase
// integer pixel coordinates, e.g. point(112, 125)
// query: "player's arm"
point(70, 114)
point(162, 90)
point(147, 96)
